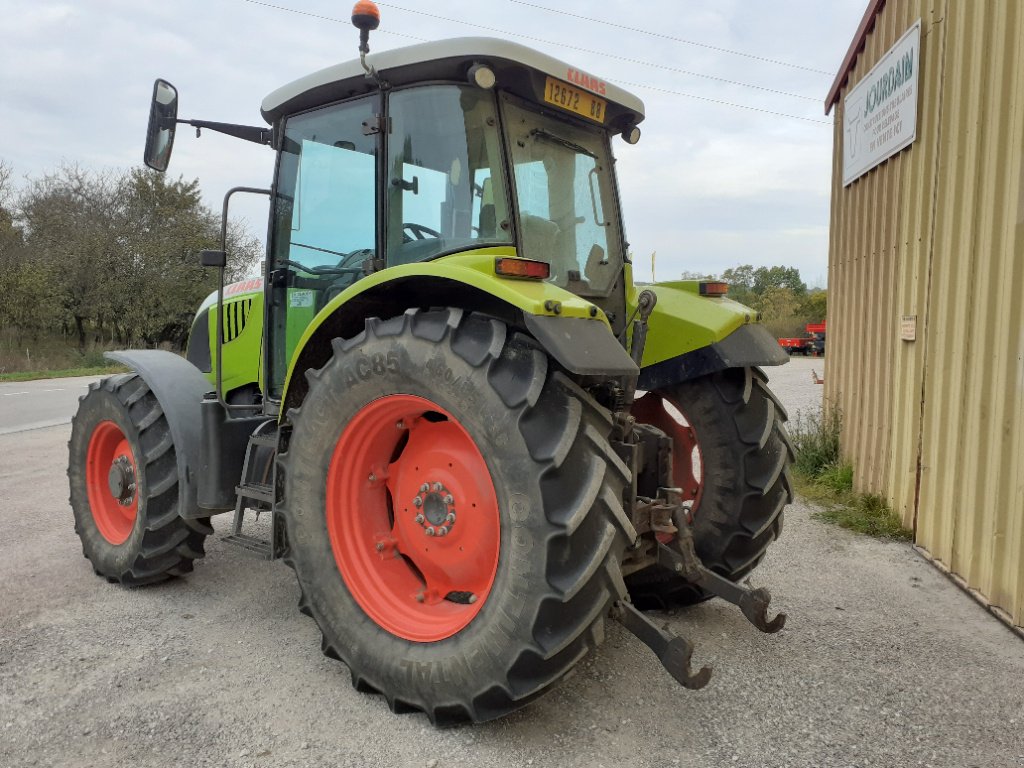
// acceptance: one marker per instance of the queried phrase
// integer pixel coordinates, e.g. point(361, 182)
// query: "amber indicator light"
point(713, 288)
point(528, 268)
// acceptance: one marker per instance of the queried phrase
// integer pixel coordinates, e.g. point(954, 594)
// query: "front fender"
point(573, 330)
point(179, 388)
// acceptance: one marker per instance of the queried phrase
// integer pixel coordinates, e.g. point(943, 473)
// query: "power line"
point(604, 54)
point(633, 85)
point(675, 39)
point(321, 17)
point(724, 103)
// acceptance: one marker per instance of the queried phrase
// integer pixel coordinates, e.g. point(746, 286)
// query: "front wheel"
point(123, 473)
point(730, 457)
point(454, 514)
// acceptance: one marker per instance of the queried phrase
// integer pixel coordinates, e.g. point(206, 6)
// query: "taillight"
point(528, 268)
point(715, 288)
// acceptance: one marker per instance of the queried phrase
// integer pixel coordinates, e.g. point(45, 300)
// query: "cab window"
point(445, 185)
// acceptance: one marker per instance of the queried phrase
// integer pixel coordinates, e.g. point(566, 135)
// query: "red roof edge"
point(866, 25)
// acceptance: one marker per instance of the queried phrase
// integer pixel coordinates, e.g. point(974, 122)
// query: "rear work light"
point(715, 288)
point(516, 267)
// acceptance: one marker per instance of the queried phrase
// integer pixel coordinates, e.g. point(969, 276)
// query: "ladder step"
point(259, 491)
point(259, 547)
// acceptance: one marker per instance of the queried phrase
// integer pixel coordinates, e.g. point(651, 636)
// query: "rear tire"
point(739, 430)
point(558, 490)
point(123, 475)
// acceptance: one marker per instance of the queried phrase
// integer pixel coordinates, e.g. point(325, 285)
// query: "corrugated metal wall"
point(935, 426)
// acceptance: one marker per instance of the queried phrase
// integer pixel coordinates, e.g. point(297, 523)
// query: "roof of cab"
point(443, 60)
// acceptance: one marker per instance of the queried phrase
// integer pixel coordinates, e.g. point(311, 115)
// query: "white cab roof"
point(446, 59)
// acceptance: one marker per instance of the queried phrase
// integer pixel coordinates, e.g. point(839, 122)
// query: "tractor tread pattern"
point(745, 513)
point(587, 529)
point(168, 544)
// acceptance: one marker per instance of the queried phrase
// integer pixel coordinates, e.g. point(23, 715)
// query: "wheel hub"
point(112, 482)
point(400, 469)
point(437, 505)
point(121, 480)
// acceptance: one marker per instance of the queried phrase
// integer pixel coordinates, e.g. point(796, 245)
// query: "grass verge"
point(96, 370)
point(823, 476)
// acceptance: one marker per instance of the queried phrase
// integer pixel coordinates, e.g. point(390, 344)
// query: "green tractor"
point(477, 439)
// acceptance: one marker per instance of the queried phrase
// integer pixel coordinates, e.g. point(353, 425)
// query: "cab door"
point(325, 220)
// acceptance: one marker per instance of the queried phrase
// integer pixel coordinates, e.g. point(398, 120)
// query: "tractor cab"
point(441, 149)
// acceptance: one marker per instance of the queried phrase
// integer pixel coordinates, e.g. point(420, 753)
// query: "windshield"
point(566, 203)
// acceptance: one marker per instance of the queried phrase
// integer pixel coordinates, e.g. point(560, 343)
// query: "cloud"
point(708, 184)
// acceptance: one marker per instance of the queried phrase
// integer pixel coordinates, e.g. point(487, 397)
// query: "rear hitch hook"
point(754, 605)
point(674, 652)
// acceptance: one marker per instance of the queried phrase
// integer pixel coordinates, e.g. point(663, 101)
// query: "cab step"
point(259, 547)
point(256, 495)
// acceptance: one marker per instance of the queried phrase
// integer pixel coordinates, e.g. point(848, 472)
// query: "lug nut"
point(472, 599)
point(438, 487)
point(442, 531)
point(449, 499)
point(380, 546)
point(417, 502)
point(429, 530)
point(424, 488)
point(420, 519)
point(372, 478)
point(451, 517)
point(400, 425)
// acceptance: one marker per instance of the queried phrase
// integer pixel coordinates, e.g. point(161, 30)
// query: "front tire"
point(441, 413)
point(123, 474)
point(731, 457)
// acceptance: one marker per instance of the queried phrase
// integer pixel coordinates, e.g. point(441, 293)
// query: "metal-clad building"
point(928, 245)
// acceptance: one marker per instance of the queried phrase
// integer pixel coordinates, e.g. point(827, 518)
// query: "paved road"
point(883, 663)
point(30, 405)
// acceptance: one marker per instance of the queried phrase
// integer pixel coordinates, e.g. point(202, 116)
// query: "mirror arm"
point(251, 133)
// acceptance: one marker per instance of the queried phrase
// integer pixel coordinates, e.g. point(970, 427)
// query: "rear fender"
point(572, 330)
point(690, 335)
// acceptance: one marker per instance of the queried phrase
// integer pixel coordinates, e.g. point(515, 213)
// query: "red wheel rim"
point(111, 480)
point(687, 459)
point(413, 518)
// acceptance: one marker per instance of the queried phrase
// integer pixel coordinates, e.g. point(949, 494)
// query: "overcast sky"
point(709, 186)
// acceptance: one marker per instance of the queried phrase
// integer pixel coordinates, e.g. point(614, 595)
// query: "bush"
point(816, 439)
point(868, 514)
point(825, 478)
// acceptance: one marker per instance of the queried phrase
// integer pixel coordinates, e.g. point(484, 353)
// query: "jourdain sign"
point(880, 112)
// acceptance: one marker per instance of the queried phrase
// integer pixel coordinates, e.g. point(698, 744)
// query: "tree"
point(779, 294)
point(815, 306)
point(164, 227)
point(113, 252)
point(69, 222)
point(765, 278)
point(778, 306)
point(741, 283)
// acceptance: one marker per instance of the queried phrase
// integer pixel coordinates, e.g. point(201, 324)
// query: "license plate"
point(575, 100)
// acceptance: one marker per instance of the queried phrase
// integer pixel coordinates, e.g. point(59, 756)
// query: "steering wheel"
point(419, 232)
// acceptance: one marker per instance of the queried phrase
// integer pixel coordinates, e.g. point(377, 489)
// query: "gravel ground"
point(883, 662)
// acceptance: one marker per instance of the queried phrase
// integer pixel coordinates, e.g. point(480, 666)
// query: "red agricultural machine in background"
point(811, 344)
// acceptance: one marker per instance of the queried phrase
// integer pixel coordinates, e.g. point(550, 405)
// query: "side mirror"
point(163, 119)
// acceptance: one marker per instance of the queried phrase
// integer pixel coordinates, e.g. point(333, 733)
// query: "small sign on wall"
point(908, 328)
point(880, 112)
